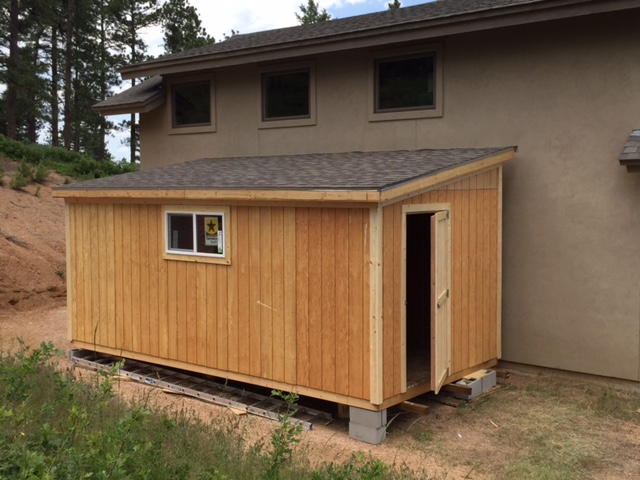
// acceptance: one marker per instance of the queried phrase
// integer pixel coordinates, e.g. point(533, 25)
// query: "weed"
point(286, 435)
point(62, 274)
point(360, 467)
point(37, 192)
point(1, 174)
point(54, 426)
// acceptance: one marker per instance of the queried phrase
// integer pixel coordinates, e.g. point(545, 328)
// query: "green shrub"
point(1, 174)
point(40, 173)
point(72, 164)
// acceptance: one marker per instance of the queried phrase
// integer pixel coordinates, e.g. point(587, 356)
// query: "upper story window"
point(287, 95)
point(406, 83)
point(191, 104)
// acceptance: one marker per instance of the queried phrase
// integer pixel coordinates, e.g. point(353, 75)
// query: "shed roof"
point(320, 176)
point(630, 155)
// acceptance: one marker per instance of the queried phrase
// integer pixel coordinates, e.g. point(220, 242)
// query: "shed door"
point(440, 302)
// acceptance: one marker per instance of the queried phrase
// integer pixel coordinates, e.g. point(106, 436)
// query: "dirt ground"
point(536, 424)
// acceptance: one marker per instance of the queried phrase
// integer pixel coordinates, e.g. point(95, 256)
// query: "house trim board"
point(70, 277)
point(376, 331)
point(499, 268)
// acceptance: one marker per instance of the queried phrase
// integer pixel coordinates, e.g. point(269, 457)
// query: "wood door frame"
point(409, 210)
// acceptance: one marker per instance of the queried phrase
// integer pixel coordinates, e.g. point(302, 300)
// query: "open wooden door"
point(440, 302)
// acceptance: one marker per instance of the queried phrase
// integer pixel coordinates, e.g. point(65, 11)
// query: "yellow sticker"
point(211, 226)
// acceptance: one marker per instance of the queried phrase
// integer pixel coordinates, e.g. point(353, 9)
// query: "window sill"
point(406, 115)
point(287, 123)
point(196, 258)
point(192, 130)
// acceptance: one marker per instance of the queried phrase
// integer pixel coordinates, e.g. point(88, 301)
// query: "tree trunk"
point(76, 113)
point(12, 64)
point(102, 147)
point(55, 140)
point(68, 78)
point(32, 120)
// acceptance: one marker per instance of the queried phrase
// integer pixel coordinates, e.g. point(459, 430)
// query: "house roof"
point(427, 19)
point(321, 176)
point(630, 155)
point(143, 97)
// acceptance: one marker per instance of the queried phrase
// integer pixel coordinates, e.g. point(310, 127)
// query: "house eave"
point(132, 107)
point(369, 38)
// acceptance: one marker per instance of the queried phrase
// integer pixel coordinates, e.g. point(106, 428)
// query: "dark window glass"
point(405, 83)
point(209, 234)
point(180, 232)
point(191, 105)
point(285, 95)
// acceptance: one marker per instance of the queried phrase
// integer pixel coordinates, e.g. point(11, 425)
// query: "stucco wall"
point(566, 94)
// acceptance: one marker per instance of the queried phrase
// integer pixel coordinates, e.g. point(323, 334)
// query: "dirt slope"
point(32, 245)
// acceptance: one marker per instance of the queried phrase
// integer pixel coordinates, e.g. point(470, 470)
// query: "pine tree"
point(394, 5)
point(311, 13)
point(132, 16)
point(182, 27)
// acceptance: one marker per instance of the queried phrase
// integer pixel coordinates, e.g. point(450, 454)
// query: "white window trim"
point(181, 130)
point(427, 112)
point(194, 255)
point(289, 122)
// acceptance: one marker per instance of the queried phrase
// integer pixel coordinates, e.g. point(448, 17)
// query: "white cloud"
point(247, 16)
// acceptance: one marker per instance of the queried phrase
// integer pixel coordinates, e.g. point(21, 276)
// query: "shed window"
point(286, 95)
point(191, 104)
point(198, 233)
point(405, 83)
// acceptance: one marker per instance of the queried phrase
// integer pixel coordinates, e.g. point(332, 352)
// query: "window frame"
point(193, 255)
point(435, 51)
point(191, 128)
point(293, 121)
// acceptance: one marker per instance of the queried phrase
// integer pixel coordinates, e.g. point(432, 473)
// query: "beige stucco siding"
point(567, 94)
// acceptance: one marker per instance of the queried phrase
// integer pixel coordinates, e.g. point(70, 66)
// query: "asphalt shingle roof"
point(438, 10)
point(630, 155)
point(138, 94)
point(375, 171)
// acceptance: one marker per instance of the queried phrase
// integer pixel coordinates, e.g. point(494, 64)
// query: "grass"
point(548, 428)
point(54, 426)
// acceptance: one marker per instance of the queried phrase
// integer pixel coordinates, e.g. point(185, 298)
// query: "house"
point(307, 149)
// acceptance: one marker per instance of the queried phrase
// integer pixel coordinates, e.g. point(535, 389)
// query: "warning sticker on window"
point(211, 231)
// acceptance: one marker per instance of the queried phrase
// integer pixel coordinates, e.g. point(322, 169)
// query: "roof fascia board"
point(431, 182)
point(351, 196)
point(426, 30)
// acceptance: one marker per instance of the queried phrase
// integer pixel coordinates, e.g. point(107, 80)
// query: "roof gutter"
point(423, 30)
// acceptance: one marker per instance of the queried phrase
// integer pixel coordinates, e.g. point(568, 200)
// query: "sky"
point(247, 16)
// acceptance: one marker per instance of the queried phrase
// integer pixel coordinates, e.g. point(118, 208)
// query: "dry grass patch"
point(539, 427)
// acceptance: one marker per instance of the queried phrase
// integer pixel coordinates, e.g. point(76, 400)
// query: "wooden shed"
point(363, 278)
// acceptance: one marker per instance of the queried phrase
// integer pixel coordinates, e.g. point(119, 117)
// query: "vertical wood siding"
point(292, 307)
point(474, 275)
